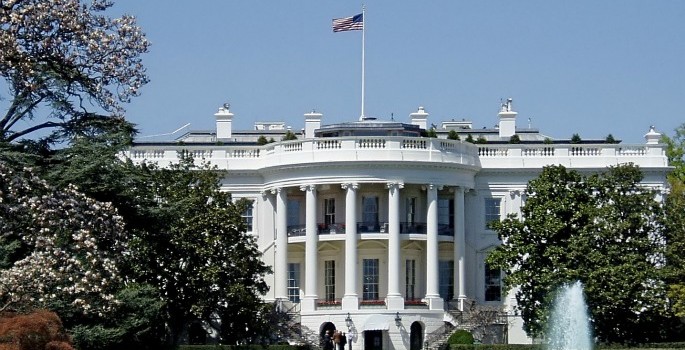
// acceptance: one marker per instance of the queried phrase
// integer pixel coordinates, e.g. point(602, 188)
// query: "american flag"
point(348, 23)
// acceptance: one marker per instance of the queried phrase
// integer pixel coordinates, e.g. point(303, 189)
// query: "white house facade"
point(377, 231)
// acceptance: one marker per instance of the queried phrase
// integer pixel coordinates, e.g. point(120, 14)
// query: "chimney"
point(420, 118)
point(312, 121)
point(507, 120)
point(652, 137)
point(224, 120)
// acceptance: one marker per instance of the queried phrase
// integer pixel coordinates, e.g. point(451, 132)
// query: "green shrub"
point(461, 336)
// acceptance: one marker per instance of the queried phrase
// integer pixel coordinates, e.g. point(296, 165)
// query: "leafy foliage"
point(461, 336)
point(196, 252)
point(289, 136)
point(675, 221)
point(68, 60)
point(137, 322)
point(62, 246)
point(38, 330)
point(576, 138)
point(453, 135)
point(515, 139)
point(604, 230)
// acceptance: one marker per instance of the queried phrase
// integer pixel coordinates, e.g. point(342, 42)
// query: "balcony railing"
point(402, 149)
point(370, 227)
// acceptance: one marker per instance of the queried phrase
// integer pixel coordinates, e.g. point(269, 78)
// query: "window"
point(411, 211)
point(370, 283)
point(445, 213)
point(492, 210)
point(329, 211)
point(493, 284)
point(294, 282)
point(370, 210)
point(446, 276)
point(247, 217)
point(329, 280)
point(293, 212)
point(410, 280)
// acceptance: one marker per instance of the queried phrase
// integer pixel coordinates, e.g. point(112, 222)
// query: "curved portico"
point(346, 204)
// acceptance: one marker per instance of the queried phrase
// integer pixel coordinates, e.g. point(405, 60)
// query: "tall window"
point(329, 279)
point(493, 284)
point(294, 282)
point(247, 217)
point(370, 285)
point(329, 211)
point(446, 276)
point(411, 211)
point(492, 210)
point(370, 210)
point(410, 280)
point(446, 212)
point(293, 212)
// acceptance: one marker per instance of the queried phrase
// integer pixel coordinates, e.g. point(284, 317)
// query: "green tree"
point(68, 251)
point(431, 133)
point(262, 140)
point(675, 221)
point(189, 240)
point(515, 139)
point(610, 139)
point(198, 256)
point(576, 138)
point(64, 62)
point(453, 135)
point(289, 136)
point(603, 230)
point(470, 139)
point(481, 140)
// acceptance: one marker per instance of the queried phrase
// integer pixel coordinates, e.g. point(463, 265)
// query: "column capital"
point(514, 193)
point(307, 188)
point(394, 185)
point(432, 187)
point(276, 190)
point(349, 185)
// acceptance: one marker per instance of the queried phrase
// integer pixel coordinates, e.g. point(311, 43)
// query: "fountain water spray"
point(569, 326)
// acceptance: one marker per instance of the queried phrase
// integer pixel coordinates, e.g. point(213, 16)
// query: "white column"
point(281, 263)
point(394, 299)
point(459, 247)
point(350, 299)
point(432, 273)
point(308, 303)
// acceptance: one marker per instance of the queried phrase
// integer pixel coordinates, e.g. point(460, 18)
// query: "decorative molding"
point(350, 185)
point(394, 185)
point(306, 188)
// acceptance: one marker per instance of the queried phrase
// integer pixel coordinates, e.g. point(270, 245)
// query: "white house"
point(379, 232)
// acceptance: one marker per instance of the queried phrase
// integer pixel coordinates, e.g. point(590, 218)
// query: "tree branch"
point(32, 129)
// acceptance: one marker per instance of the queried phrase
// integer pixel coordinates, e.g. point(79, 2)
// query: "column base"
point(350, 302)
point(462, 301)
point(308, 304)
point(434, 302)
point(394, 302)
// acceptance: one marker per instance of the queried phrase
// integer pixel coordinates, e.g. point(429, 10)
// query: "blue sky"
point(583, 66)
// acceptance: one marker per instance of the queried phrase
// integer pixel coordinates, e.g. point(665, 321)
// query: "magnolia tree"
point(64, 245)
point(67, 66)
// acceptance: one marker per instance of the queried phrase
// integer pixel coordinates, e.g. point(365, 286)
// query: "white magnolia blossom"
point(74, 243)
point(68, 54)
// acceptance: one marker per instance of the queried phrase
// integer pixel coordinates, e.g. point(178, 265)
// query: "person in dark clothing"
point(343, 341)
point(327, 341)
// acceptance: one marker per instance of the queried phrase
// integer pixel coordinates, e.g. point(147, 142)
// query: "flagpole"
point(363, 45)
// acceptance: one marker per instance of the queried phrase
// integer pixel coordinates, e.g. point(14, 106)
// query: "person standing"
point(343, 341)
point(327, 341)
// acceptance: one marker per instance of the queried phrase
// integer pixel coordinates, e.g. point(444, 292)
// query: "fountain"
point(569, 326)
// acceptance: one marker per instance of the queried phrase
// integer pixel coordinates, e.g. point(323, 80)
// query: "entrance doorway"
point(373, 340)
point(416, 336)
